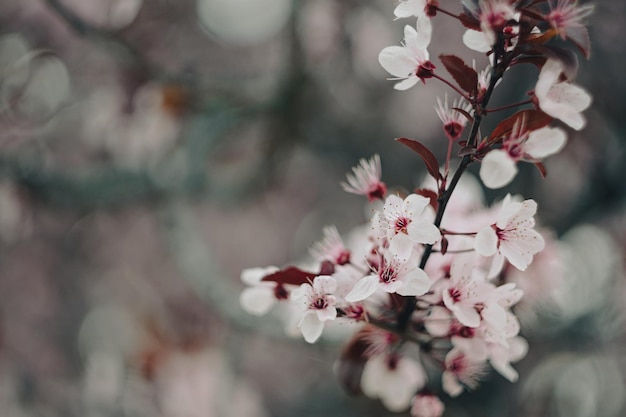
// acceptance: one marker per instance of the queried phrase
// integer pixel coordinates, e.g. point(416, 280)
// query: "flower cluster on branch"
point(434, 297)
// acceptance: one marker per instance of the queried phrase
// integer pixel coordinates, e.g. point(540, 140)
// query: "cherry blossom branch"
point(496, 73)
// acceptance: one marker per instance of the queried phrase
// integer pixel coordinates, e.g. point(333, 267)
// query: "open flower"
point(409, 62)
point(453, 121)
point(403, 223)
point(560, 99)
point(512, 235)
point(494, 17)
point(464, 291)
point(393, 276)
point(567, 16)
point(317, 302)
point(331, 248)
point(393, 378)
point(461, 371)
point(365, 179)
point(499, 166)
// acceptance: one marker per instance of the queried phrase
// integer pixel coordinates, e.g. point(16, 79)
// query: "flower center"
point(401, 224)
point(453, 129)
point(455, 294)
point(388, 274)
point(320, 303)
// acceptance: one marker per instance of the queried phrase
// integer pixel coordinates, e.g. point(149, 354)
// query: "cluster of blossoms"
point(433, 297)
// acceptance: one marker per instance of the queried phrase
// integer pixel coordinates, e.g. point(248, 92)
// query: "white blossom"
point(409, 63)
point(512, 235)
point(560, 99)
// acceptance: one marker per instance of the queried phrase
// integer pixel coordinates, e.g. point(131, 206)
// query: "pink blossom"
point(512, 235)
point(501, 356)
point(453, 121)
point(461, 371)
point(427, 405)
point(331, 248)
point(409, 62)
point(403, 223)
point(499, 166)
point(568, 15)
point(560, 99)
point(393, 276)
point(365, 179)
point(463, 291)
point(394, 379)
point(318, 305)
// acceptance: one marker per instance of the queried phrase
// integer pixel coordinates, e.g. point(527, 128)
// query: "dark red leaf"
point(469, 21)
point(467, 150)
point(291, 276)
point(430, 194)
point(533, 14)
point(465, 76)
point(464, 113)
point(542, 169)
point(532, 119)
point(427, 156)
point(580, 37)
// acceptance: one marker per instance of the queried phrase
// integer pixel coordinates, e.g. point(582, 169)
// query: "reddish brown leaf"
point(532, 119)
point(542, 169)
point(465, 76)
point(464, 113)
point(429, 194)
point(291, 276)
point(469, 21)
point(533, 14)
point(467, 150)
point(427, 156)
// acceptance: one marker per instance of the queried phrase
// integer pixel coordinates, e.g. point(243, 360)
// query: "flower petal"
point(365, 287)
point(311, 327)
point(423, 232)
point(497, 169)
point(405, 84)
point(476, 41)
point(545, 142)
point(486, 241)
point(398, 61)
point(257, 300)
point(416, 282)
point(410, 8)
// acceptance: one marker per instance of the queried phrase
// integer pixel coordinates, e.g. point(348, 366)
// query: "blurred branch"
point(116, 185)
point(130, 54)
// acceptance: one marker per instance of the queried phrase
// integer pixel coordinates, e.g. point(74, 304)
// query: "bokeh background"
point(152, 149)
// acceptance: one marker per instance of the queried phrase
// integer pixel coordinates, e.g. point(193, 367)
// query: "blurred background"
point(152, 149)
